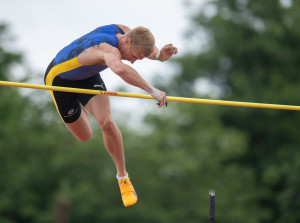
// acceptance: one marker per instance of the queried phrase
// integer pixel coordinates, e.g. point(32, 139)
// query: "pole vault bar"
point(144, 96)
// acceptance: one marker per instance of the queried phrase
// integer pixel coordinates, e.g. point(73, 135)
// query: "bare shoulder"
point(106, 48)
point(97, 54)
point(124, 28)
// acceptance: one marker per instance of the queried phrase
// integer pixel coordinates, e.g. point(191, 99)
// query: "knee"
point(84, 137)
point(107, 126)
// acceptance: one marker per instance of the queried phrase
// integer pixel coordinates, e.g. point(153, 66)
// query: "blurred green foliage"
point(250, 157)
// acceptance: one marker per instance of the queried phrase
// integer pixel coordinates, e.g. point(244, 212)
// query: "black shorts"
point(68, 104)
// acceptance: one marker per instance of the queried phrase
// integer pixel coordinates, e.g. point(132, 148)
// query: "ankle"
point(122, 177)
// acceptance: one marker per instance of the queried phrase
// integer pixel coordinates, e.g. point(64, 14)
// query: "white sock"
point(120, 178)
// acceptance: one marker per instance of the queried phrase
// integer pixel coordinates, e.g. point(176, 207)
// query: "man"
point(78, 66)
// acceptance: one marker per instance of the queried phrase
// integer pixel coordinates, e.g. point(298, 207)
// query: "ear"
point(128, 41)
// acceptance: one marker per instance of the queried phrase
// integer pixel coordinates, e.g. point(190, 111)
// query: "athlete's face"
point(131, 54)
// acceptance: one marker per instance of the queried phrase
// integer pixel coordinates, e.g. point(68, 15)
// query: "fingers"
point(160, 96)
point(175, 50)
point(163, 101)
point(170, 49)
point(160, 105)
point(168, 45)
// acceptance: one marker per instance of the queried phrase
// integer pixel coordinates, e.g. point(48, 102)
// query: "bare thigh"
point(99, 107)
point(81, 128)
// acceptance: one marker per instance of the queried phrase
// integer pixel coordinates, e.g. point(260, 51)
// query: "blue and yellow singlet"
point(66, 65)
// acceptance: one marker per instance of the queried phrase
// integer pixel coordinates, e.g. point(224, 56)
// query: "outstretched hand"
point(167, 52)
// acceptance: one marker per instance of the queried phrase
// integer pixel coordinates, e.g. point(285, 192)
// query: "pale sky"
point(43, 27)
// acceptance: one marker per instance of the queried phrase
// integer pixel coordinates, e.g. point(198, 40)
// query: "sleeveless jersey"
point(68, 55)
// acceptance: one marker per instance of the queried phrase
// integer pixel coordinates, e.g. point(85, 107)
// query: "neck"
point(120, 40)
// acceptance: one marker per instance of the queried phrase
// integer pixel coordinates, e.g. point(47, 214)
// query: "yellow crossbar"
point(144, 96)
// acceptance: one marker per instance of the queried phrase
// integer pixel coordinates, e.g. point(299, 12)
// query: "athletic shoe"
point(128, 194)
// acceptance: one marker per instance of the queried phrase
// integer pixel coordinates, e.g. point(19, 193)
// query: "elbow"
point(120, 71)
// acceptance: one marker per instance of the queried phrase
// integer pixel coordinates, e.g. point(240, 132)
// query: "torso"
point(84, 47)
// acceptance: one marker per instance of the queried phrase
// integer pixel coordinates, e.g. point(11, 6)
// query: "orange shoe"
point(128, 194)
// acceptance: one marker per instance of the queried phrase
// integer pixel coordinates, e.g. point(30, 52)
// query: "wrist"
point(149, 89)
point(157, 58)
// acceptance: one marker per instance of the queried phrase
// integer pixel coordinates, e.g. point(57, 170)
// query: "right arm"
point(112, 58)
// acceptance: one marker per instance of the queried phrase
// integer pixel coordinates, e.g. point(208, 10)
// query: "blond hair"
point(141, 38)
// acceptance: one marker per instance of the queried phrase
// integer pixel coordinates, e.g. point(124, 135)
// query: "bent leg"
point(81, 128)
point(99, 107)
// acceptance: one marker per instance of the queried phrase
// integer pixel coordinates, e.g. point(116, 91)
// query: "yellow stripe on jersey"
point(59, 69)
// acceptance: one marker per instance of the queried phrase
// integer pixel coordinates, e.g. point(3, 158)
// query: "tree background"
point(249, 156)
